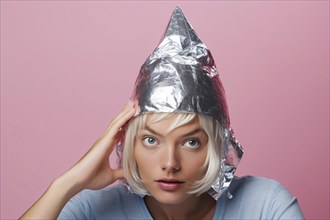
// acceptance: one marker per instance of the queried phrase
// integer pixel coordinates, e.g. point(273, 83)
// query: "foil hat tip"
point(179, 31)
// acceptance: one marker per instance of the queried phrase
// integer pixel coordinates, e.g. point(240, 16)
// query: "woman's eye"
point(192, 144)
point(149, 141)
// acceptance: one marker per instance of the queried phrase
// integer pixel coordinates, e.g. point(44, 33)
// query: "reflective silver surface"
point(180, 75)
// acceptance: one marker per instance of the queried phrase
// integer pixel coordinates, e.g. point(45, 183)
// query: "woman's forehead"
point(172, 117)
point(167, 122)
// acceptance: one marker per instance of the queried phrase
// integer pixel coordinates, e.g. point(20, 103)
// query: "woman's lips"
point(169, 184)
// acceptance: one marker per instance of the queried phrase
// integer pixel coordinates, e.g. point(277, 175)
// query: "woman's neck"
point(202, 207)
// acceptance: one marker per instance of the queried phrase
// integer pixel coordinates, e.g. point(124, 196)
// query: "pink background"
point(68, 67)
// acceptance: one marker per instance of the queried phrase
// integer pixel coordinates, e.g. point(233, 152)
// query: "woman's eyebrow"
point(195, 131)
point(152, 131)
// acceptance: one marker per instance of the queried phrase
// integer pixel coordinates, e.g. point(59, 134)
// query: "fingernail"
point(129, 103)
point(137, 111)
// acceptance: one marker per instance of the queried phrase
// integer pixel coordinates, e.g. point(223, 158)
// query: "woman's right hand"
point(92, 171)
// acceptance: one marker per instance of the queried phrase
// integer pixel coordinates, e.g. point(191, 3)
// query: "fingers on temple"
point(125, 114)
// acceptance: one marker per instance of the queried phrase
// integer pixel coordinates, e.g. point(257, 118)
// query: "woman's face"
point(170, 162)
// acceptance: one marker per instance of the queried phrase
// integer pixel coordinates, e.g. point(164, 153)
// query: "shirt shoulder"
point(252, 197)
point(115, 202)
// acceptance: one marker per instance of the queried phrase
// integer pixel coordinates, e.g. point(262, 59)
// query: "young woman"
point(176, 149)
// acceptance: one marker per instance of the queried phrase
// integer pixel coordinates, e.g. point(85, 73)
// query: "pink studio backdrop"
point(67, 67)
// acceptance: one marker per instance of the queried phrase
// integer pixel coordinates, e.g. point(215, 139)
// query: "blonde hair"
point(212, 163)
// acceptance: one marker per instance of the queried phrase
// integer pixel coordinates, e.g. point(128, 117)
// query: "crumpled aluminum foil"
point(180, 76)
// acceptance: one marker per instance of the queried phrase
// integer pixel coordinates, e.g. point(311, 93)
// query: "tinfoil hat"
point(180, 76)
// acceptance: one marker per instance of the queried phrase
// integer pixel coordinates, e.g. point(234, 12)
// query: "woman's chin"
point(171, 198)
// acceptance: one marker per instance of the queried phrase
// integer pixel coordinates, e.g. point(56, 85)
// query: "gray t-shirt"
point(252, 198)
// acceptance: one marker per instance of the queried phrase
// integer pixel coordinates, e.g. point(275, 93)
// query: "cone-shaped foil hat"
point(180, 76)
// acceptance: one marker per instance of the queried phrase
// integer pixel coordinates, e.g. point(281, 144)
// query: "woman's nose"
point(171, 160)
